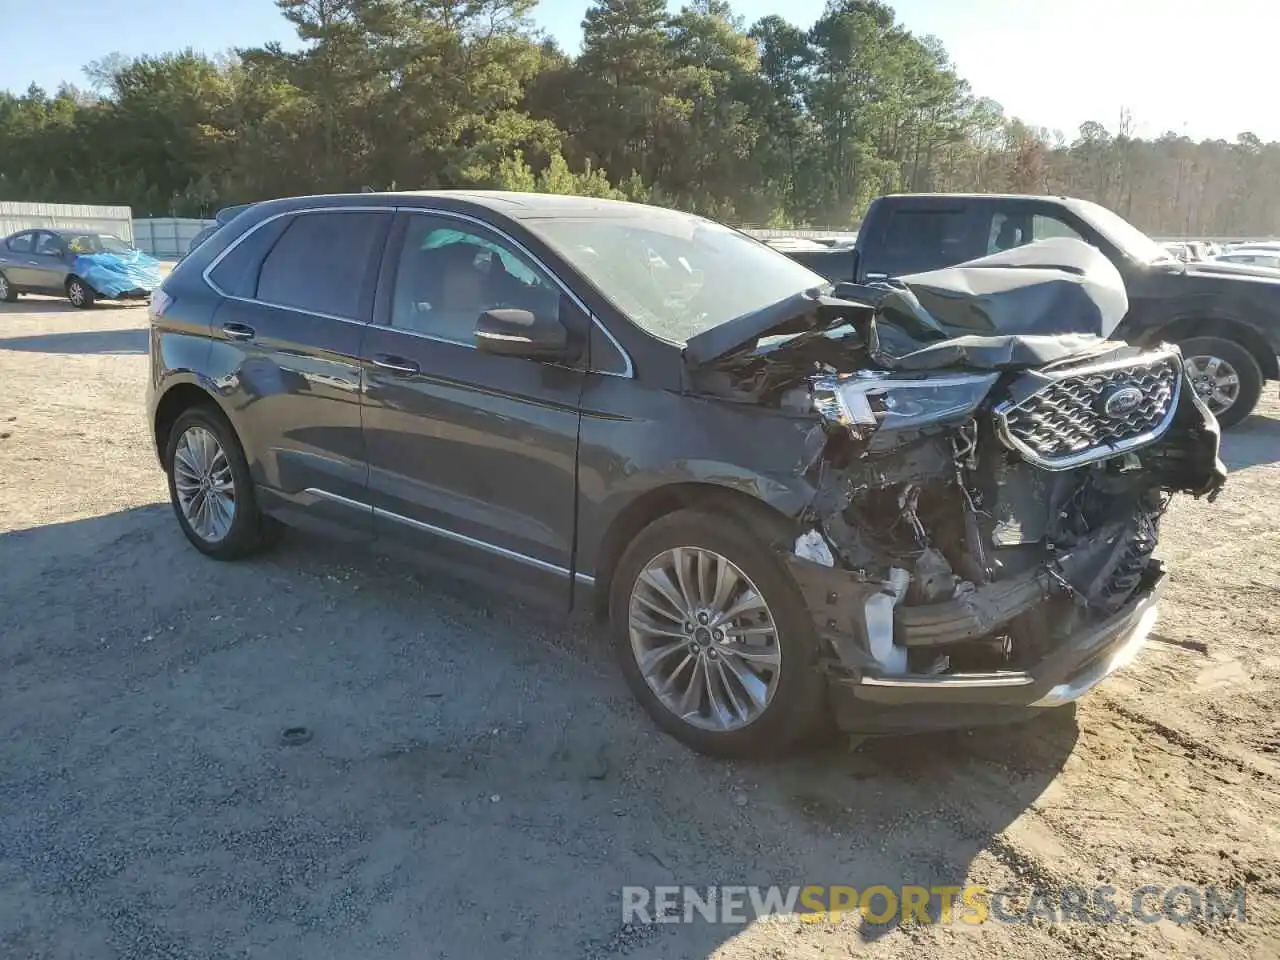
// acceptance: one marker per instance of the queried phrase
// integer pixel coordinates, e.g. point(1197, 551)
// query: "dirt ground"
point(480, 784)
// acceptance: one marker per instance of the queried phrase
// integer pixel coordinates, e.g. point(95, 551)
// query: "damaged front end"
point(988, 501)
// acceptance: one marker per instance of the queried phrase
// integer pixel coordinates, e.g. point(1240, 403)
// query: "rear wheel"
point(211, 488)
point(8, 293)
point(80, 293)
point(1225, 375)
point(714, 638)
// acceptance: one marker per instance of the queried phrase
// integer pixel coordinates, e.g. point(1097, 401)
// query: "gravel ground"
point(479, 783)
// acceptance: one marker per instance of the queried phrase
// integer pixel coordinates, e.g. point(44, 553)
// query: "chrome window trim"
point(627, 374)
point(462, 538)
point(207, 272)
point(1106, 452)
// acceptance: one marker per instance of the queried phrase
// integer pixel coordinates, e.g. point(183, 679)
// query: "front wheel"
point(1225, 375)
point(714, 638)
point(80, 293)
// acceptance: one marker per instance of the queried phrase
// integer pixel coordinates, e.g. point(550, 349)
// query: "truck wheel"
point(714, 638)
point(1225, 375)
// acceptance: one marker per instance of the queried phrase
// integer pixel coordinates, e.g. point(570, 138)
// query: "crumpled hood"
point(1032, 305)
point(112, 274)
point(1024, 307)
point(1044, 288)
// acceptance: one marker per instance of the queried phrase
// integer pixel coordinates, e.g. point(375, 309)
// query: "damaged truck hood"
point(803, 312)
point(1035, 304)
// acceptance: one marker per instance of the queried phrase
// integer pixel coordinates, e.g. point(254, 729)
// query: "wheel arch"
point(658, 502)
point(1225, 327)
point(176, 400)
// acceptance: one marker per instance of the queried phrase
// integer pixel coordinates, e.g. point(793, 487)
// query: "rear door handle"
point(396, 364)
point(238, 331)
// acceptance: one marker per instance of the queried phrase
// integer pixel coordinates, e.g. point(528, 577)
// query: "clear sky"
point(1206, 68)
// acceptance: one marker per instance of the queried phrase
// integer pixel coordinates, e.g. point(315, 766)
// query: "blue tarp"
point(112, 274)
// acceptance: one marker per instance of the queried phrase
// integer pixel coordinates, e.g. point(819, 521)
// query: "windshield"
point(97, 243)
point(672, 274)
point(1133, 243)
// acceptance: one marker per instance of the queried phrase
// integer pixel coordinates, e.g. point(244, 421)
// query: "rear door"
point(19, 259)
point(298, 293)
point(915, 234)
point(471, 456)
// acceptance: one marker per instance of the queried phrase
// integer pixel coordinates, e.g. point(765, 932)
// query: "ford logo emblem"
point(1121, 402)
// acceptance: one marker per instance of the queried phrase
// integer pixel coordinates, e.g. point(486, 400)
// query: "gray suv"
point(888, 504)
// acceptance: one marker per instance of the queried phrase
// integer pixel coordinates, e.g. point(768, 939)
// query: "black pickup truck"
point(1225, 317)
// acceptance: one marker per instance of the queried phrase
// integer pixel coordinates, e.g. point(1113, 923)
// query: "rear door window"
point(323, 263)
point(21, 243)
point(236, 274)
point(923, 239)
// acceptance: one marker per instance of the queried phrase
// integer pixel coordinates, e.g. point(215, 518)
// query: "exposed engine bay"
point(988, 482)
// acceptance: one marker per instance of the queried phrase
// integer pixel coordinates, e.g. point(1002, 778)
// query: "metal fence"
point(803, 233)
point(16, 216)
point(167, 237)
point(821, 233)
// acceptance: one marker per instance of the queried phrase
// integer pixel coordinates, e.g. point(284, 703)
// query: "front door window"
point(451, 273)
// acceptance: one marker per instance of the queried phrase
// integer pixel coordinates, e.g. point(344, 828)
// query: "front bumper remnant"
point(869, 703)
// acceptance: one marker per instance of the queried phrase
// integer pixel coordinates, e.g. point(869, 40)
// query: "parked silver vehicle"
point(82, 265)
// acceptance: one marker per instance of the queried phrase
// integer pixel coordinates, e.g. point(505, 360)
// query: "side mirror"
point(520, 333)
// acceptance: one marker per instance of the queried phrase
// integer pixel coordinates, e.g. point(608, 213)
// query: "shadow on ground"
point(28, 303)
point(478, 782)
point(85, 341)
point(1252, 442)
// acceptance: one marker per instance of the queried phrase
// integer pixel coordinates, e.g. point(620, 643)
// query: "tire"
point(249, 531)
point(81, 295)
point(797, 704)
point(1246, 368)
point(8, 293)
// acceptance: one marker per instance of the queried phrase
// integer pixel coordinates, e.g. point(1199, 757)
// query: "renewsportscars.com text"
point(971, 904)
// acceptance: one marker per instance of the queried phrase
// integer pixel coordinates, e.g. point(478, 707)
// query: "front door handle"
point(396, 364)
point(238, 331)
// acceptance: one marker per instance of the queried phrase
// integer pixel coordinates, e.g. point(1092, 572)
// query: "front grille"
point(1089, 413)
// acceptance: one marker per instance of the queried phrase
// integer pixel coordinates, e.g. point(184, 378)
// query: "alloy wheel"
point(704, 639)
point(1215, 381)
point(75, 292)
point(4, 288)
point(204, 483)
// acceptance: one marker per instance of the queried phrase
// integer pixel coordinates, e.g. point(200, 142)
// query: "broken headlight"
point(880, 400)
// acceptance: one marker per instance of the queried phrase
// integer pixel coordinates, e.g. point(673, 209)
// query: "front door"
point(48, 262)
point(471, 456)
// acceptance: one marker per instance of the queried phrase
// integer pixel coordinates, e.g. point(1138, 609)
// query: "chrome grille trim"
point(1062, 412)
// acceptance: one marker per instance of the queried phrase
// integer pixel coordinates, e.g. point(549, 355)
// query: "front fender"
point(1253, 308)
point(670, 446)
